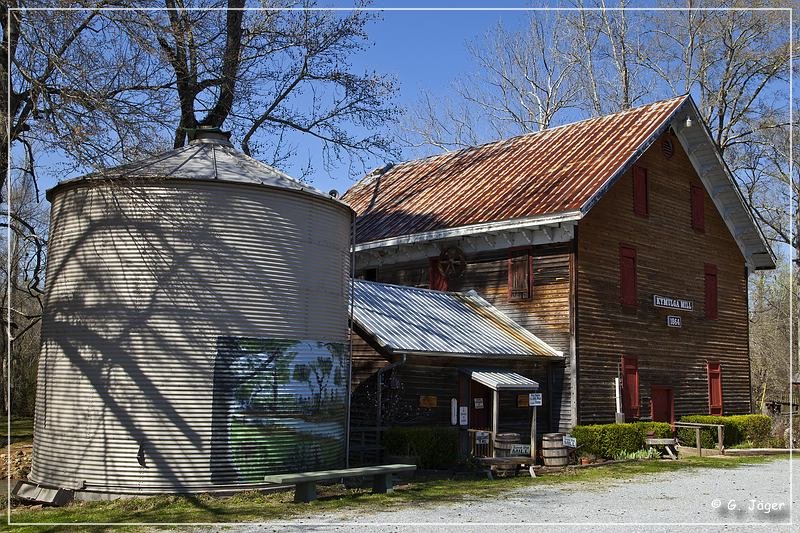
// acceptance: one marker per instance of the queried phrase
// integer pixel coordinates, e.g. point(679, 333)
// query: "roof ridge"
point(487, 144)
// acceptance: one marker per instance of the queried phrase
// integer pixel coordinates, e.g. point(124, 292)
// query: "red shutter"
point(640, 191)
point(519, 275)
point(436, 279)
point(630, 388)
point(714, 389)
point(627, 276)
point(710, 275)
point(698, 208)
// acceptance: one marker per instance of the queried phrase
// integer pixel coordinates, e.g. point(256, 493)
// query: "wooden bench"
point(668, 444)
point(305, 483)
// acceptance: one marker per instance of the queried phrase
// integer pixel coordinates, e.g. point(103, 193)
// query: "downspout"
point(379, 386)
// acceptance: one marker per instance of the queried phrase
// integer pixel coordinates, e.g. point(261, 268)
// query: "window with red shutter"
point(630, 388)
point(436, 278)
point(714, 389)
point(640, 191)
point(627, 276)
point(519, 275)
point(698, 208)
point(711, 299)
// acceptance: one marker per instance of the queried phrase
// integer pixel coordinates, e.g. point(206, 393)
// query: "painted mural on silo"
point(279, 406)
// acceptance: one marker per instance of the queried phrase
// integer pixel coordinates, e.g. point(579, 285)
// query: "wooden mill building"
point(622, 242)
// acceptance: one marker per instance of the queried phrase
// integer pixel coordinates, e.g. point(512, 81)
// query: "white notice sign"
point(478, 403)
point(482, 437)
point(535, 399)
point(570, 441)
point(463, 416)
point(520, 449)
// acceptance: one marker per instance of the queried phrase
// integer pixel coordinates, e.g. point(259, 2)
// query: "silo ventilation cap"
point(211, 135)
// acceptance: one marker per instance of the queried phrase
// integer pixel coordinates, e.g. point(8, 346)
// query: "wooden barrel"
point(554, 453)
point(503, 442)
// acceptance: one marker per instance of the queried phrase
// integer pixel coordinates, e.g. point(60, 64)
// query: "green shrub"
point(436, 447)
point(615, 440)
point(739, 429)
point(649, 453)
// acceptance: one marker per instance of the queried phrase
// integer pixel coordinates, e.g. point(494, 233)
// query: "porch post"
point(495, 416)
point(533, 435)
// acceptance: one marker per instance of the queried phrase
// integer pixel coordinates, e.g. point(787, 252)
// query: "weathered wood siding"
point(669, 261)
point(436, 377)
point(547, 313)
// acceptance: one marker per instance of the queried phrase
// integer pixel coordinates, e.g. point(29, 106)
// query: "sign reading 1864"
point(672, 303)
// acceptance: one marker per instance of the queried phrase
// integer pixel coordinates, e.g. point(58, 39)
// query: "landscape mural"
point(279, 406)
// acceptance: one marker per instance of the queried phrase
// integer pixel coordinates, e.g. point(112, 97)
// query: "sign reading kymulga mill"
point(672, 303)
point(598, 239)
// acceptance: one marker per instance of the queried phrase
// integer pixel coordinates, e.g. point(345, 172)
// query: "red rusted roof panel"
point(547, 172)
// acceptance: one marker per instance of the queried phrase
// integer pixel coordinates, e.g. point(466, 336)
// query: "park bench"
point(305, 483)
point(668, 444)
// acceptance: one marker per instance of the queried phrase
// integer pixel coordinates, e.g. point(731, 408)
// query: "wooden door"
point(714, 389)
point(662, 406)
point(480, 406)
point(630, 388)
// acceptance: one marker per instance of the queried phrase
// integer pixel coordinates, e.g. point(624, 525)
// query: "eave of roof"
point(204, 160)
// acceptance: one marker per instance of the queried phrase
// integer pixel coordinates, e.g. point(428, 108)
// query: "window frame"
point(631, 412)
point(697, 202)
point(435, 275)
point(511, 255)
point(715, 368)
point(628, 252)
point(711, 308)
point(641, 192)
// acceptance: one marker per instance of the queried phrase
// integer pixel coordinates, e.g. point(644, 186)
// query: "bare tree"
point(608, 45)
point(98, 88)
point(271, 76)
point(522, 82)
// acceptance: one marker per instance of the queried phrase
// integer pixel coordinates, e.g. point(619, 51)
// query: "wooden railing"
point(480, 450)
point(697, 427)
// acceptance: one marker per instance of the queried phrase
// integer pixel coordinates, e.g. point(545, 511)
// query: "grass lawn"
point(255, 506)
point(21, 430)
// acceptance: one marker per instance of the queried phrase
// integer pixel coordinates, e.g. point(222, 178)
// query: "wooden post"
point(533, 435)
point(495, 416)
point(697, 441)
point(720, 438)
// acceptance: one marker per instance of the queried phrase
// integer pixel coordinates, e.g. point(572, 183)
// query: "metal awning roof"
point(500, 379)
point(412, 321)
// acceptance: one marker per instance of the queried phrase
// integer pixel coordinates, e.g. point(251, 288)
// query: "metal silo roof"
point(421, 321)
point(204, 159)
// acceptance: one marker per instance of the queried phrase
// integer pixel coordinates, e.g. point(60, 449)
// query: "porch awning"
point(501, 379)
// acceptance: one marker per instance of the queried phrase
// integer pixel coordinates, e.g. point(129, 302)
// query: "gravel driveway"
point(747, 498)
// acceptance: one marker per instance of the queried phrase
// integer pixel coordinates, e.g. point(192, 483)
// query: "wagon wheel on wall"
point(452, 262)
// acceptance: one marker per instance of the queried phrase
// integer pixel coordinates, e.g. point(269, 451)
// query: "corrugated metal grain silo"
point(195, 326)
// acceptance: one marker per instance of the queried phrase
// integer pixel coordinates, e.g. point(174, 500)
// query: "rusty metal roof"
point(421, 321)
point(552, 171)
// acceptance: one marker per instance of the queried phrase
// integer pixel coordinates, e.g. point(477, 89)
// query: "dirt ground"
point(21, 453)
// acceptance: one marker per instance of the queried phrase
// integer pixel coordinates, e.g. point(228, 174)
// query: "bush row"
point(755, 429)
point(614, 440)
point(436, 447)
